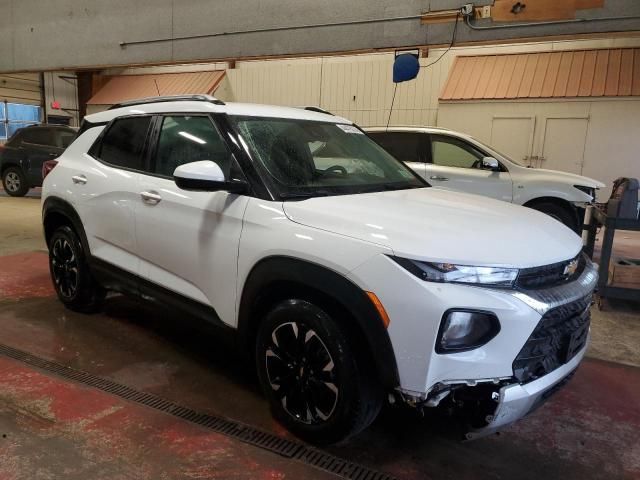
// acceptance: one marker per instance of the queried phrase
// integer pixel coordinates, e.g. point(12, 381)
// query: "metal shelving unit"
point(609, 227)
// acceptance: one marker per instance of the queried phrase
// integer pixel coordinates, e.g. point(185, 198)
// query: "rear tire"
point(14, 182)
point(563, 214)
point(72, 279)
point(316, 383)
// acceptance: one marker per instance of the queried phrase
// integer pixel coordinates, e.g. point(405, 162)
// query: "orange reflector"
point(378, 304)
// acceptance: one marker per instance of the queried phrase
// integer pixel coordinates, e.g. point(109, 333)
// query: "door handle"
point(151, 198)
point(81, 179)
point(439, 178)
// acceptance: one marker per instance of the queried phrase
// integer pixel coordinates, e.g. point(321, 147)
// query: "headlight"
point(450, 273)
point(588, 190)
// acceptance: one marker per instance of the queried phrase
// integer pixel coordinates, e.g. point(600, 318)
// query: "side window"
point(123, 144)
point(37, 136)
point(405, 146)
point(452, 152)
point(185, 139)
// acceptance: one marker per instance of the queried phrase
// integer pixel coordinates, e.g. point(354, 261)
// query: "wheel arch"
point(277, 278)
point(57, 212)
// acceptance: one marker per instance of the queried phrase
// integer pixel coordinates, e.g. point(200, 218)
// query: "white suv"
point(456, 161)
point(347, 279)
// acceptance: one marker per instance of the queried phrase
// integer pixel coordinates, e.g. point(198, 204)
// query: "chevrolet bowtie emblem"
point(571, 268)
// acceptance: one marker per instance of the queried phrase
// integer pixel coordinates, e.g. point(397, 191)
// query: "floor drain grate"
point(231, 428)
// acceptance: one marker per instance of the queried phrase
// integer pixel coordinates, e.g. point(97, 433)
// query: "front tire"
point(14, 182)
point(316, 383)
point(72, 279)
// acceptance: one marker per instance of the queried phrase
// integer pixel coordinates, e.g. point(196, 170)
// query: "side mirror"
point(206, 176)
point(490, 163)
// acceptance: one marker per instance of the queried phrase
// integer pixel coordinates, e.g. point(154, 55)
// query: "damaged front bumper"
point(516, 401)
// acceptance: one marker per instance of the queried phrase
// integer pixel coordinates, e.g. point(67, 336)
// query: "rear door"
point(38, 145)
point(457, 165)
point(408, 147)
point(188, 241)
point(106, 185)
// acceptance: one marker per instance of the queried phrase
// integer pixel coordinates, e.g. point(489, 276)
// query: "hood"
point(438, 225)
point(569, 178)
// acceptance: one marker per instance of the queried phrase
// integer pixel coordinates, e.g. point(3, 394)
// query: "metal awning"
point(130, 87)
point(565, 74)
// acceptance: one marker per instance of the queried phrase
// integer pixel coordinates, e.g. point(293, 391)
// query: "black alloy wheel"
point(64, 268)
point(70, 273)
point(319, 382)
point(301, 373)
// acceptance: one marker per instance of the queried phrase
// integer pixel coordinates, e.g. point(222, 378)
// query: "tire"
point(14, 182)
point(563, 214)
point(72, 279)
point(305, 363)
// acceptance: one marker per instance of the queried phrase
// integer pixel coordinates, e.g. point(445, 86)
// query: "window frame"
point(155, 141)
point(466, 143)
point(96, 147)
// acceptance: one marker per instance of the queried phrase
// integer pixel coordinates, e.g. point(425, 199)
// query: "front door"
point(457, 165)
point(188, 241)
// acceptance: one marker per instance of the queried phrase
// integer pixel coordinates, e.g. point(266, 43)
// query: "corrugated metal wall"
point(357, 87)
point(21, 88)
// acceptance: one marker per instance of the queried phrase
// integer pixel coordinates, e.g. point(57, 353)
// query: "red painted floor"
point(56, 429)
point(590, 429)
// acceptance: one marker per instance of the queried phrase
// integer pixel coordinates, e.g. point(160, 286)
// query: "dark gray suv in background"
point(23, 156)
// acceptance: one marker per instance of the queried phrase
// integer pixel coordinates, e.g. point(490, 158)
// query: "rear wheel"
point(14, 182)
point(72, 279)
point(562, 214)
point(317, 385)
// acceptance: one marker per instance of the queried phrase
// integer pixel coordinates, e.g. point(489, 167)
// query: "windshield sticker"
point(349, 128)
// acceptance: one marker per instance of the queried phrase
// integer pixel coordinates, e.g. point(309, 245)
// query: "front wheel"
point(14, 182)
point(72, 279)
point(317, 385)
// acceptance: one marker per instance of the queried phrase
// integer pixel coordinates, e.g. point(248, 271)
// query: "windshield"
point(307, 158)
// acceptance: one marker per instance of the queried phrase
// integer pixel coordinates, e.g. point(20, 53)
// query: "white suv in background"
point(341, 272)
point(456, 161)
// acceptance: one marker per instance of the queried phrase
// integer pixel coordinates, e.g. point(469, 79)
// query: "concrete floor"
point(55, 428)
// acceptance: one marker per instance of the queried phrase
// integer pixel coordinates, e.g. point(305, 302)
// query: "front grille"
point(561, 333)
point(548, 275)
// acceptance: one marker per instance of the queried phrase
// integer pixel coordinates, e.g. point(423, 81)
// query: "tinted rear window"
point(123, 144)
point(38, 136)
point(404, 146)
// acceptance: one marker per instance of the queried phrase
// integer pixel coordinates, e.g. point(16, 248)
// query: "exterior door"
point(38, 146)
point(188, 241)
point(563, 144)
point(408, 147)
point(109, 189)
point(457, 165)
point(513, 136)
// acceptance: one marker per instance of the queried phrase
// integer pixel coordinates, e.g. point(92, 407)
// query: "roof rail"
point(317, 109)
point(168, 98)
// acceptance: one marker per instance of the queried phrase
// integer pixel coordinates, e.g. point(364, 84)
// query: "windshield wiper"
point(303, 195)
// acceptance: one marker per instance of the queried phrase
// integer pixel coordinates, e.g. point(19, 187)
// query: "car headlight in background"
point(462, 330)
point(450, 273)
point(588, 190)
